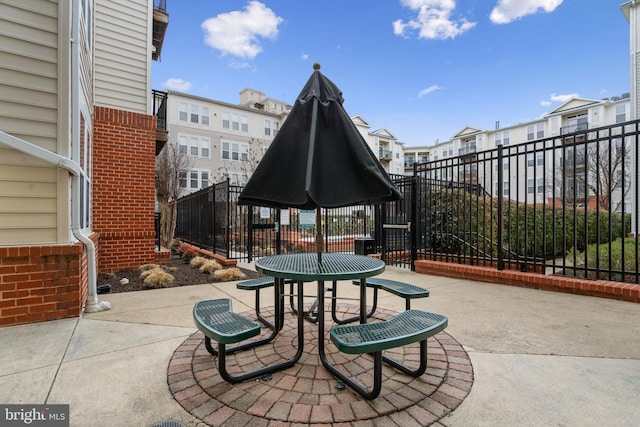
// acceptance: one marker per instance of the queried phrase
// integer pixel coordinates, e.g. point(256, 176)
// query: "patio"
point(538, 358)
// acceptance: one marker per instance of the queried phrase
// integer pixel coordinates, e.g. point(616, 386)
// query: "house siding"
point(122, 71)
point(29, 110)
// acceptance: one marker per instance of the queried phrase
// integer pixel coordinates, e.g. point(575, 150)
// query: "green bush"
point(607, 256)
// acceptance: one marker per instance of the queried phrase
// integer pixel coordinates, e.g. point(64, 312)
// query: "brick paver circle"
point(307, 392)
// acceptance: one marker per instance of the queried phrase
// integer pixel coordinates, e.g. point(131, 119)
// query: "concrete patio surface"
point(539, 358)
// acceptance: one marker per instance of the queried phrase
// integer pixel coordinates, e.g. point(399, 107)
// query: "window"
point(505, 188)
point(577, 123)
point(235, 151)
point(205, 116)
point(194, 114)
point(244, 123)
point(194, 146)
point(182, 109)
point(194, 179)
point(204, 147)
point(275, 128)
point(535, 131)
point(621, 113)
point(182, 179)
point(182, 144)
point(502, 137)
point(540, 185)
point(267, 127)
point(530, 187)
point(235, 123)
point(540, 159)
point(530, 160)
point(204, 179)
point(225, 120)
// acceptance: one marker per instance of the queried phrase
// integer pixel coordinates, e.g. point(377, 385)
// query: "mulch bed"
point(183, 275)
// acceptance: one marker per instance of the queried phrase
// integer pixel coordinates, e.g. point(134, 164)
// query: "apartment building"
point(224, 140)
point(78, 141)
point(574, 115)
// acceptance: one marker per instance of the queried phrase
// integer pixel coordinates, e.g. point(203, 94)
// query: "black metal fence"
point(562, 205)
point(211, 218)
point(565, 205)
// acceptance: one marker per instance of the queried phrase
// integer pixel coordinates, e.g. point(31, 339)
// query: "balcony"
point(160, 23)
point(160, 111)
point(385, 155)
point(469, 149)
point(571, 128)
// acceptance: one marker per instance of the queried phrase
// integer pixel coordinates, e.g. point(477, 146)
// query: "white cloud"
point(428, 90)
point(563, 98)
point(304, 56)
point(433, 20)
point(177, 84)
point(507, 11)
point(545, 103)
point(238, 33)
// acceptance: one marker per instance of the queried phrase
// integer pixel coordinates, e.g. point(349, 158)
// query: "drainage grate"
point(169, 423)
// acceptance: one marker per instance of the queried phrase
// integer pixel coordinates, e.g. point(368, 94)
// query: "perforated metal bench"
point(405, 328)
point(256, 285)
point(401, 289)
point(219, 323)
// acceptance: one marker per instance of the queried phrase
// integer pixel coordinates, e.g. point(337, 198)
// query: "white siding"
point(122, 35)
point(28, 110)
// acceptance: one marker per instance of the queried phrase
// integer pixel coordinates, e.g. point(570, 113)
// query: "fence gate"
point(395, 224)
point(221, 218)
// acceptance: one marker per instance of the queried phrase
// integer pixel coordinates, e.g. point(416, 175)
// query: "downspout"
point(76, 173)
point(91, 305)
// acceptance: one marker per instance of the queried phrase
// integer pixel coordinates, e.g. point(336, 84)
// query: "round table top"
point(334, 266)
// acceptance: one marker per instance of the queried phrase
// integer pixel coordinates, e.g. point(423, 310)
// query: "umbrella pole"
point(319, 239)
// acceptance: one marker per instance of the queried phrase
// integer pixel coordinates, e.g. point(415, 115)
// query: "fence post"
point(413, 230)
point(500, 209)
point(250, 233)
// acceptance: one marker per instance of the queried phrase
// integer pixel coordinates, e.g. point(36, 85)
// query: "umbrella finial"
point(316, 67)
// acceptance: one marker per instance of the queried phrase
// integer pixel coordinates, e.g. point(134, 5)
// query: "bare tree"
point(247, 162)
point(170, 164)
point(601, 169)
point(608, 167)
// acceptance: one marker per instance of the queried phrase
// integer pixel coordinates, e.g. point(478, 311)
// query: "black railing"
point(560, 205)
point(247, 232)
point(160, 108)
point(160, 5)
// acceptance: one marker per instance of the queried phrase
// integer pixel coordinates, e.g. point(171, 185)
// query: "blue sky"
point(422, 69)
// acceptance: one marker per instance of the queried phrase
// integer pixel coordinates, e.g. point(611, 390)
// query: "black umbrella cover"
point(318, 158)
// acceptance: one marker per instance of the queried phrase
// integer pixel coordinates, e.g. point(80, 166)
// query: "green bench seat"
point(405, 328)
point(401, 289)
point(216, 320)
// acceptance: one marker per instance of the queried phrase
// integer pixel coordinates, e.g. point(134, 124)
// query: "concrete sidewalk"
point(539, 358)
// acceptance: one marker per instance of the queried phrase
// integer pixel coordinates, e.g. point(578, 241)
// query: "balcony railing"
point(574, 128)
point(385, 154)
point(467, 150)
point(160, 111)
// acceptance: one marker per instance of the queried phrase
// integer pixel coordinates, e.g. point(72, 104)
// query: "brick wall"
point(599, 288)
point(124, 188)
point(40, 283)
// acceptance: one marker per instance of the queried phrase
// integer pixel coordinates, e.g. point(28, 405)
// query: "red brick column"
point(123, 188)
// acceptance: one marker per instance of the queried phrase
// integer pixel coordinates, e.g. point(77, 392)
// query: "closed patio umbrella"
point(318, 159)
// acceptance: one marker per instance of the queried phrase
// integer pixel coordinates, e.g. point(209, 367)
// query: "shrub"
point(598, 257)
point(198, 261)
point(210, 266)
point(233, 273)
point(158, 279)
point(148, 267)
point(146, 273)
